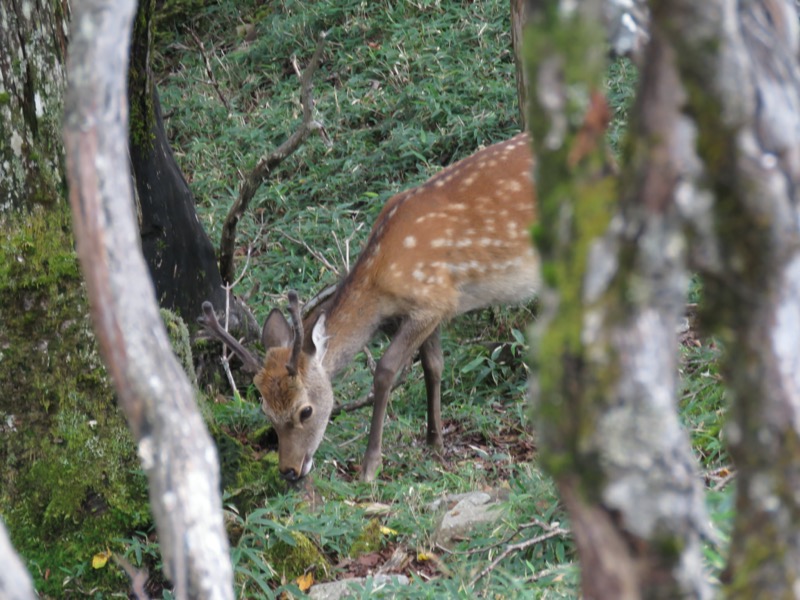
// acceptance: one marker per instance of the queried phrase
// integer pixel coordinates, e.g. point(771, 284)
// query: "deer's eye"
point(305, 414)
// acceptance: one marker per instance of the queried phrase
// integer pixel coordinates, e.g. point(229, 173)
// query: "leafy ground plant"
point(404, 88)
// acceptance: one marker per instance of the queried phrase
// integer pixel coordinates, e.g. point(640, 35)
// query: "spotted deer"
point(457, 242)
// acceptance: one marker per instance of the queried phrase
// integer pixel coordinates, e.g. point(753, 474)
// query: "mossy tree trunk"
point(738, 60)
point(71, 480)
point(613, 263)
point(33, 46)
point(68, 466)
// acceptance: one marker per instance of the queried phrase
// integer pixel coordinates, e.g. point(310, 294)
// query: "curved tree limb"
point(267, 164)
point(175, 449)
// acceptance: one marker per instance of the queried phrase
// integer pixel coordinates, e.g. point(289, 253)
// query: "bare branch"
point(267, 165)
point(369, 399)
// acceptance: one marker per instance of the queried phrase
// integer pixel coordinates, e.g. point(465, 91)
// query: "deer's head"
point(296, 392)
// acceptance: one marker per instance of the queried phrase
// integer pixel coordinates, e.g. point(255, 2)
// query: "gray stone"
point(472, 509)
point(344, 587)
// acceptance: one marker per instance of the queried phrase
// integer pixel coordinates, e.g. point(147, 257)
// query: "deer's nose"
point(290, 474)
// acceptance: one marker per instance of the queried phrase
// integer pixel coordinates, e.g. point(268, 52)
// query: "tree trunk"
point(614, 272)
point(518, 18)
point(178, 252)
point(176, 451)
point(33, 48)
point(740, 61)
point(67, 464)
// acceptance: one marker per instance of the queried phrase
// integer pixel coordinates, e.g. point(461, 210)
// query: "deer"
point(456, 243)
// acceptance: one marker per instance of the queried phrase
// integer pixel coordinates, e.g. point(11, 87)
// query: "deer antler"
point(209, 320)
point(297, 322)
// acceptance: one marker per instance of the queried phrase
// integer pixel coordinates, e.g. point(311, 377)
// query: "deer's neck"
point(352, 318)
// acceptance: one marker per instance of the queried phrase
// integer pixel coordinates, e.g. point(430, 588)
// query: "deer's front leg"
point(402, 347)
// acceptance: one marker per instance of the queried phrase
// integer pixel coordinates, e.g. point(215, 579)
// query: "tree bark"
point(33, 42)
point(175, 449)
point(178, 252)
point(613, 263)
point(739, 59)
point(518, 18)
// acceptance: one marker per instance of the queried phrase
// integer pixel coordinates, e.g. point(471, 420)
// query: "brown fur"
point(274, 382)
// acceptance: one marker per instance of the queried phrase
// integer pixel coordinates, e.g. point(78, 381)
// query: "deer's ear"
point(319, 335)
point(277, 332)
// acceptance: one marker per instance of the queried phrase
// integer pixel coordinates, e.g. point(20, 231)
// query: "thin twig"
point(210, 71)
point(547, 572)
point(535, 523)
point(225, 359)
point(311, 251)
point(369, 399)
point(371, 364)
point(512, 548)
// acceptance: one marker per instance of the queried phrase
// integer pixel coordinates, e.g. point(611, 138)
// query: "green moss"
point(71, 479)
point(181, 342)
point(576, 201)
point(5, 98)
point(142, 110)
point(368, 541)
point(292, 560)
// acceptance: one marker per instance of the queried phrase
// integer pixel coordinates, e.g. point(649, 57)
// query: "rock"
point(346, 588)
point(472, 509)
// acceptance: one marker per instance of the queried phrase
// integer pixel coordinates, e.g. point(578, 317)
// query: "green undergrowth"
point(404, 89)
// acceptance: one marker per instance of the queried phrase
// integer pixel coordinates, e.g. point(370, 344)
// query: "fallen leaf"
point(387, 531)
point(305, 581)
point(369, 560)
point(100, 559)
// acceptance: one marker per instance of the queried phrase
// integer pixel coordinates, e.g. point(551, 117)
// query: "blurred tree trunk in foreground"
point(176, 451)
point(15, 582)
point(71, 478)
point(613, 264)
point(740, 61)
point(720, 160)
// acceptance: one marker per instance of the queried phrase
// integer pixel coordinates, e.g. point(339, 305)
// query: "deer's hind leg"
point(430, 354)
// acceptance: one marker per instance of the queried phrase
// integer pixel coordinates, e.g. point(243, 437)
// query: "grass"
point(405, 87)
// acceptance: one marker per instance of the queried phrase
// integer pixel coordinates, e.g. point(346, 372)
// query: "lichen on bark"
point(32, 78)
